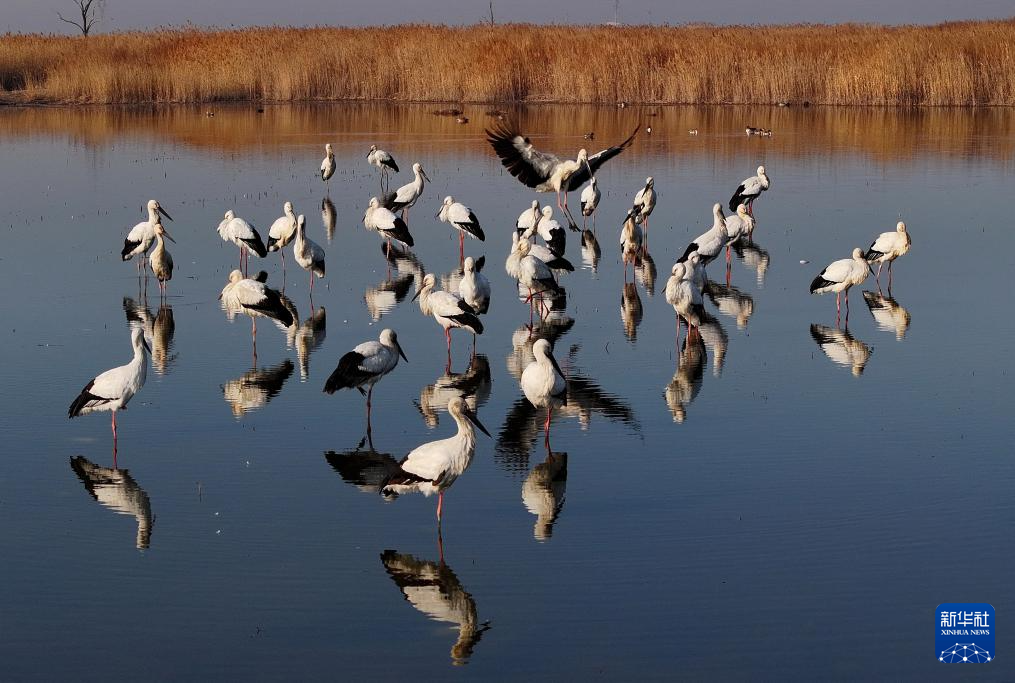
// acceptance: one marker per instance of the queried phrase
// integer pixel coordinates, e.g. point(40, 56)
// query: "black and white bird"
point(535, 275)
point(546, 172)
point(839, 276)
point(710, 243)
point(528, 218)
point(544, 254)
point(405, 197)
point(113, 389)
point(242, 234)
point(449, 310)
point(386, 224)
point(116, 490)
point(888, 247)
point(328, 164)
point(543, 382)
point(463, 219)
point(738, 226)
point(382, 160)
point(684, 297)
point(365, 365)
point(645, 202)
point(590, 197)
point(254, 298)
point(308, 254)
point(749, 190)
point(475, 287)
point(142, 236)
point(550, 231)
point(162, 260)
point(433, 467)
point(282, 231)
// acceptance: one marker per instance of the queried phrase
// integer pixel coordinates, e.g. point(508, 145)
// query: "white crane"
point(590, 200)
point(328, 164)
point(405, 197)
point(434, 466)
point(749, 190)
point(463, 219)
point(645, 202)
point(282, 231)
point(386, 224)
point(888, 247)
point(308, 254)
point(546, 172)
point(839, 276)
point(684, 297)
point(448, 309)
point(382, 160)
point(543, 382)
point(365, 365)
point(242, 234)
point(162, 260)
point(141, 237)
point(113, 389)
point(475, 287)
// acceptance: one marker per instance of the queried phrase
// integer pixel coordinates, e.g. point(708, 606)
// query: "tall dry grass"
point(968, 63)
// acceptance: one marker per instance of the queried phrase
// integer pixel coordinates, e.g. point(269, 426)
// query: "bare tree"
point(91, 12)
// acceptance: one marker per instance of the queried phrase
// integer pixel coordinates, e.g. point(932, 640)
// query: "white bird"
point(839, 276)
point(328, 164)
point(309, 255)
point(242, 234)
point(382, 160)
point(475, 287)
point(842, 348)
point(365, 365)
point(534, 274)
point(684, 297)
point(528, 218)
point(405, 197)
point(550, 231)
point(749, 190)
point(738, 226)
point(113, 389)
point(710, 243)
point(448, 309)
point(544, 254)
point(116, 490)
point(162, 260)
point(282, 231)
point(543, 382)
point(888, 247)
point(645, 202)
point(387, 224)
point(255, 299)
point(463, 219)
point(141, 237)
point(590, 200)
point(434, 466)
point(630, 240)
point(546, 172)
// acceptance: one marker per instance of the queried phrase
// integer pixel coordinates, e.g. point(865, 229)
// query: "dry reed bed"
point(967, 63)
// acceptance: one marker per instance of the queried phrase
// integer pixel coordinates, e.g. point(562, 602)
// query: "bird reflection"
point(754, 257)
point(384, 296)
point(841, 347)
point(256, 387)
point(645, 271)
point(158, 329)
point(543, 493)
point(731, 302)
point(433, 589)
point(328, 217)
point(686, 382)
point(630, 310)
point(473, 385)
point(307, 338)
point(716, 339)
point(364, 467)
point(116, 489)
point(888, 314)
point(591, 251)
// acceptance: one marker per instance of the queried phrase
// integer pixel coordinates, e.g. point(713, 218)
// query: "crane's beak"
point(475, 420)
point(425, 176)
point(166, 234)
point(416, 295)
point(401, 352)
point(553, 361)
point(144, 342)
point(163, 212)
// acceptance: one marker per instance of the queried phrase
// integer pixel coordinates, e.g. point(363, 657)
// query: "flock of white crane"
point(433, 467)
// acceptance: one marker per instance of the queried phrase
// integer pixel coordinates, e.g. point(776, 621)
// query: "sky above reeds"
point(40, 15)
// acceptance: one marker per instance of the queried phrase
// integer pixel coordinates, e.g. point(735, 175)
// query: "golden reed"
point(965, 63)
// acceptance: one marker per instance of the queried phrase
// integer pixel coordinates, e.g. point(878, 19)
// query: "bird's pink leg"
point(546, 425)
point(728, 273)
point(461, 248)
point(114, 428)
point(838, 309)
point(440, 505)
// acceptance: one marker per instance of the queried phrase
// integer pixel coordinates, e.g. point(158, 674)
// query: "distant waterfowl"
point(749, 190)
point(365, 365)
point(888, 247)
point(309, 255)
point(448, 309)
point(405, 197)
point(382, 160)
point(751, 130)
point(162, 260)
point(435, 466)
point(590, 200)
point(113, 389)
point(282, 231)
point(116, 490)
point(387, 224)
point(462, 219)
point(475, 287)
point(242, 234)
point(710, 243)
point(328, 164)
point(840, 275)
point(842, 348)
point(888, 314)
point(141, 237)
point(528, 218)
point(546, 172)
point(645, 202)
point(543, 382)
point(693, 131)
point(462, 119)
point(630, 240)
point(591, 135)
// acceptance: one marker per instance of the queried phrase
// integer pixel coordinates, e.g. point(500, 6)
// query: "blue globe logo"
point(964, 653)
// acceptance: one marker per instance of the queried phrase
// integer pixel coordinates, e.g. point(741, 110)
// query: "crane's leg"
point(890, 264)
point(728, 273)
point(440, 505)
point(838, 309)
point(546, 425)
point(461, 248)
point(370, 393)
point(282, 252)
point(114, 429)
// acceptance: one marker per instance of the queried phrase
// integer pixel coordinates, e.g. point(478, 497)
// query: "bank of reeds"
point(966, 63)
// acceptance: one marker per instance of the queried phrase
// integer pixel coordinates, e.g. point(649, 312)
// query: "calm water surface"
point(753, 505)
